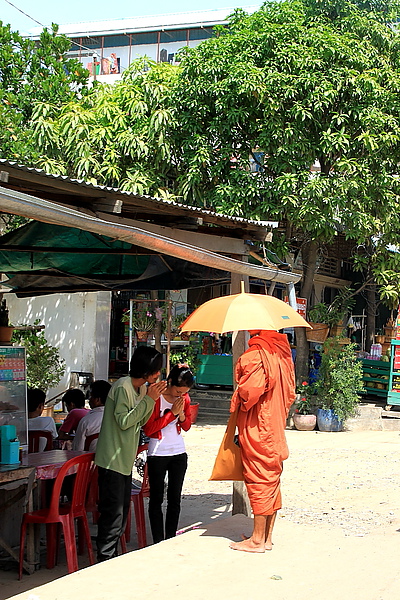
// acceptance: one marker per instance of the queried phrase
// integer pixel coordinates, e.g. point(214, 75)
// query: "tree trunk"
point(309, 258)
point(371, 316)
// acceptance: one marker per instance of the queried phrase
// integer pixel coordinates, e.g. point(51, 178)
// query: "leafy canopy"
point(308, 90)
point(31, 72)
point(116, 135)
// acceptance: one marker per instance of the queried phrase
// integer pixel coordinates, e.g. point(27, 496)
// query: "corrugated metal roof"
point(205, 18)
point(149, 199)
point(42, 210)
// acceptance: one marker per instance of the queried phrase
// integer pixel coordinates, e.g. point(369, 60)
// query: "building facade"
point(107, 48)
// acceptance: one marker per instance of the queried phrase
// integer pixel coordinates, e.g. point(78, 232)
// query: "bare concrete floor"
point(337, 536)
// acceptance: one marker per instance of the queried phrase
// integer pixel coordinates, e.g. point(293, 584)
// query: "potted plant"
point(187, 354)
point(330, 316)
point(339, 309)
point(390, 330)
point(338, 385)
point(6, 330)
point(379, 336)
point(318, 319)
point(176, 323)
point(143, 320)
point(304, 417)
point(44, 365)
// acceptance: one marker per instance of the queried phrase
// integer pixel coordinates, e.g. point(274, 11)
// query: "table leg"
point(32, 532)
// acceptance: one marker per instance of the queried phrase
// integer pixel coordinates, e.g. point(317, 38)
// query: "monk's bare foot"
point(268, 545)
point(248, 546)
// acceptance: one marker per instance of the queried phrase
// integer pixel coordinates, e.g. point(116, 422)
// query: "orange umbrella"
point(243, 312)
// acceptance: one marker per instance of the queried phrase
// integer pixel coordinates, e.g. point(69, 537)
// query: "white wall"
point(77, 324)
point(127, 56)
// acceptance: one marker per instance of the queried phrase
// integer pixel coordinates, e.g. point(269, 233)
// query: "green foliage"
point(11, 222)
point(289, 86)
point(177, 322)
point(143, 319)
point(30, 72)
point(307, 89)
point(44, 366)
point(306, 402)
point(319, 313)
point(336, 312)
point(116, 135)
point(299, 89)
point(340, 378)
point(187, 354)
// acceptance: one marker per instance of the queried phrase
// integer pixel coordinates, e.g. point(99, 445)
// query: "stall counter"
point(214, 369)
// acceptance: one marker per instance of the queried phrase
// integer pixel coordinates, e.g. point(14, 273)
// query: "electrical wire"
point(24, 13)
point(41, 24)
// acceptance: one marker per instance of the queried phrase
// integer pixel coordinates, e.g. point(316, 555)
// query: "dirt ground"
point(335, 487)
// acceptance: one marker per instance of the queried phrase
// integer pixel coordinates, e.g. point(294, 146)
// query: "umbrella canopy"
point(243, 312)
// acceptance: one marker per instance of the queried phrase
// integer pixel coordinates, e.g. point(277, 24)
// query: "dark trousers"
point(158, 467)
point(114, 502)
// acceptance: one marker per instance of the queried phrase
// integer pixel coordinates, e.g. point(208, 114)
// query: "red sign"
point(398, 325)
point(396, 359)
point(301, 306)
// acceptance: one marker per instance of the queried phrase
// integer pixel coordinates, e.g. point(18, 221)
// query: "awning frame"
point(18, 203)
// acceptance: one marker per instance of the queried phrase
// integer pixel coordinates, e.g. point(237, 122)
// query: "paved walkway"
point(304, 565)
point(336, 538)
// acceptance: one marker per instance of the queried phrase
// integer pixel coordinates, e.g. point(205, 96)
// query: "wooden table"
point(24, 475)
point(47, 464)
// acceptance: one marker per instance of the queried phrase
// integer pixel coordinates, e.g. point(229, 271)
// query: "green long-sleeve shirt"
point(124, 413)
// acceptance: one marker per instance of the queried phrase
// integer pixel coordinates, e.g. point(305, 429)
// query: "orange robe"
point(265, 392)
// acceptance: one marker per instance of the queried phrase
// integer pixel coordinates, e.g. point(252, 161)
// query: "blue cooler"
point(9, 445)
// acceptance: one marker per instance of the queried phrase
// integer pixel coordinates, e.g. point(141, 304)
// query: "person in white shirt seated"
point(91, 422)
point(36, 399)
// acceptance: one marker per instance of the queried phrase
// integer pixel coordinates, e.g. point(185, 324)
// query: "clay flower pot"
point(6, 334)
point(142, 336)
point(304, 422)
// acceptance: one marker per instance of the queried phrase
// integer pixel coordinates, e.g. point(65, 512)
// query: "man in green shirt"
point(129, 405)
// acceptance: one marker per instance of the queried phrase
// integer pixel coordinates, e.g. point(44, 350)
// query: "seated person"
point(91, 422)
point(36, 399)
point(74, 400)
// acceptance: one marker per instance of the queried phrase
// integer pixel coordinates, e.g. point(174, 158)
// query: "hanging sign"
point(301, 305)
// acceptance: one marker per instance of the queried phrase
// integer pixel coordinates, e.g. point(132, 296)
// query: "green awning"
point(40, 258)
point(97, 255)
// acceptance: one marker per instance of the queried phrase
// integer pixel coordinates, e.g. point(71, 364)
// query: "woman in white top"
point(166, 453)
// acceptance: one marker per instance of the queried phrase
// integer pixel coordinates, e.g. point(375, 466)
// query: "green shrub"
point(44, 366)
point(340, 378)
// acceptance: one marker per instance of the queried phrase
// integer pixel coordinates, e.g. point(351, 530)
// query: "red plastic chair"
point(137, 495)
point(92, 499)
point(34, 437)
point(63, 515)
point(89, 439)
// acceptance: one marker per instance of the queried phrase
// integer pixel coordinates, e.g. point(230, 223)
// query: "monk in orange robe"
point(265, 392)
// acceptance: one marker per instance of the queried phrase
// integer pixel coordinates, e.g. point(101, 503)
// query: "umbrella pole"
point(240, 499)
